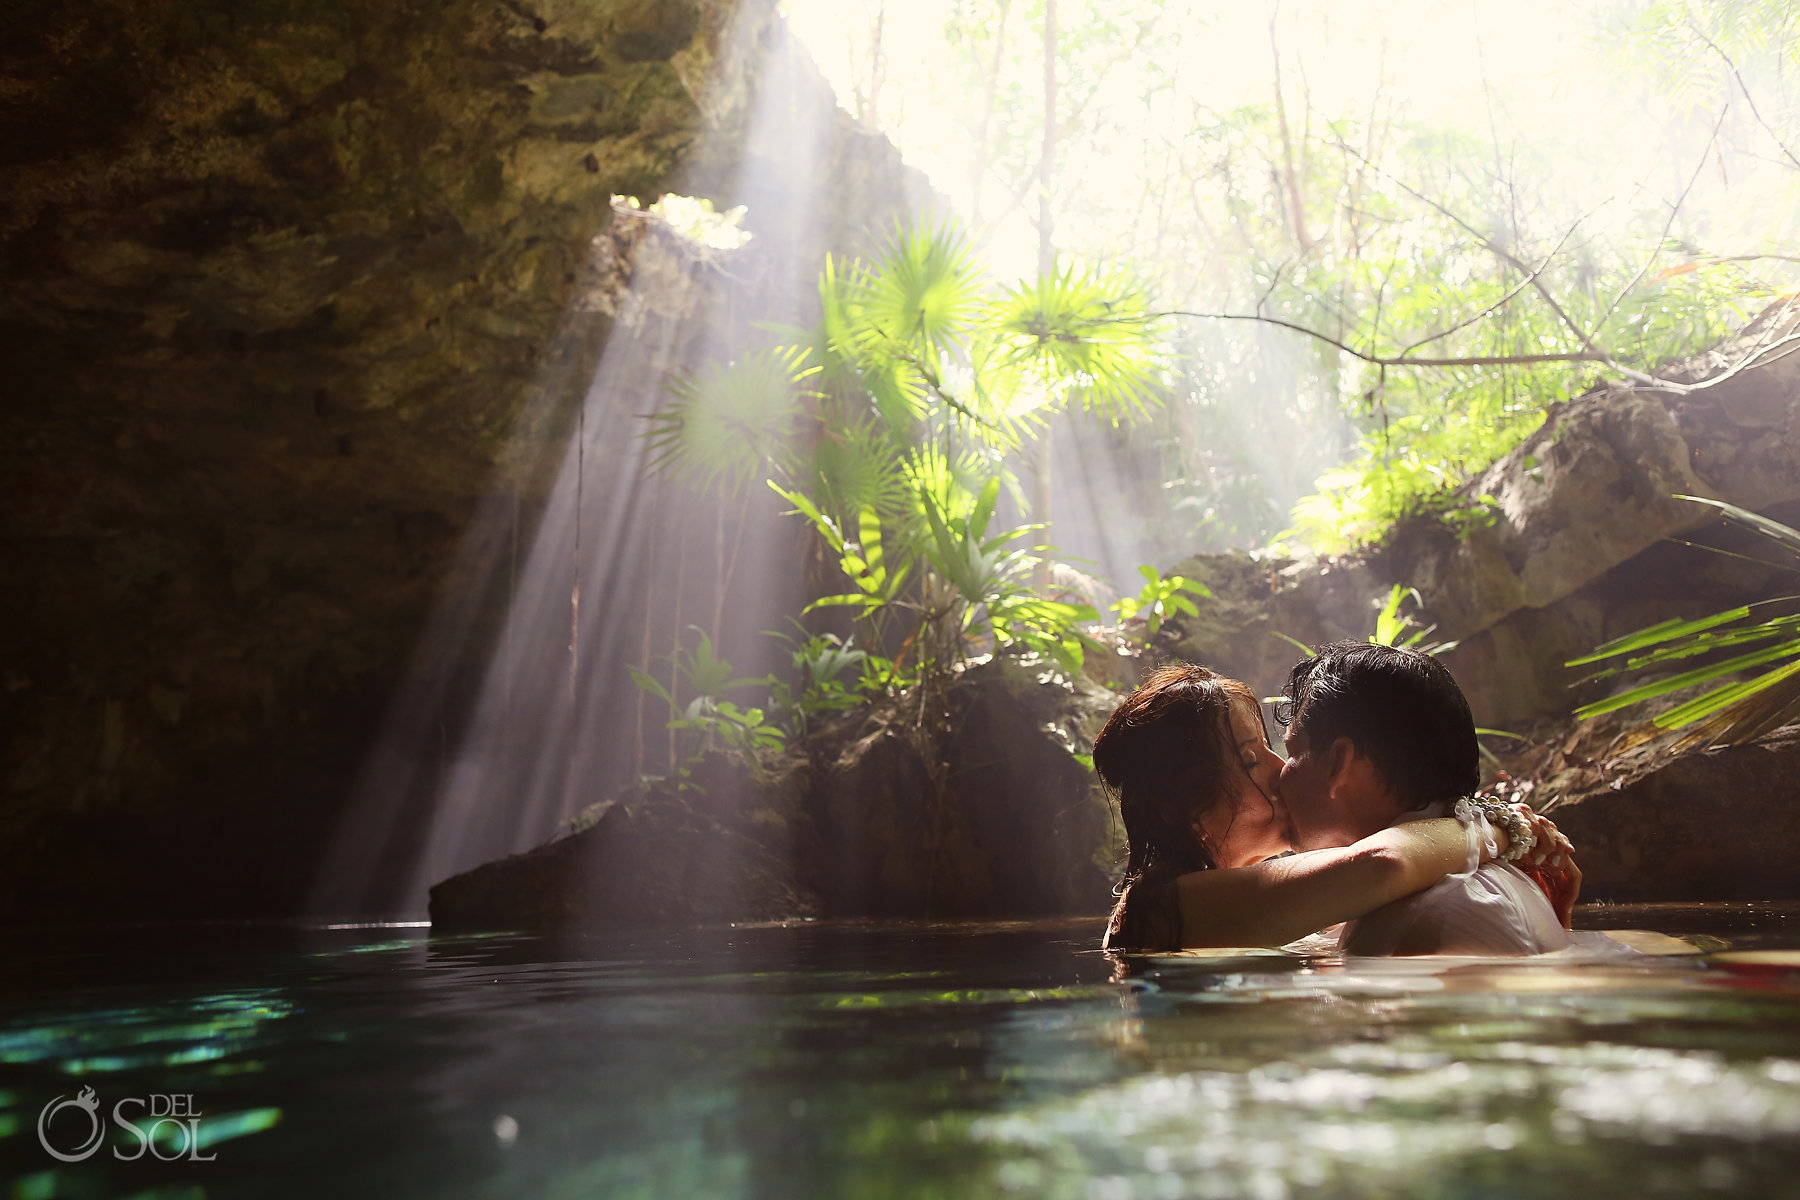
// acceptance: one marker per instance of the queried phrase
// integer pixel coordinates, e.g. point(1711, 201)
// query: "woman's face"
point(1250, 823)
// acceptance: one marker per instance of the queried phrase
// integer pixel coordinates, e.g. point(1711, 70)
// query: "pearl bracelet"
point(1521, 838)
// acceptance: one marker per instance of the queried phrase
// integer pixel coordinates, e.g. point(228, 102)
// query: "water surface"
point(848, 1060)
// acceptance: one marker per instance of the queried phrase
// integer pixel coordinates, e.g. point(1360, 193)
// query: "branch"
point(1401, 360)
point(1503, 301)
point(1487, 244)
point(1292, 180)
point(1730, 258)
point(1762, 349)
point(1745, 88)
point(1674, 211)
point(1594, 353)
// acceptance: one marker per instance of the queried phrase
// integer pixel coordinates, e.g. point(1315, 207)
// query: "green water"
point(841, 1060)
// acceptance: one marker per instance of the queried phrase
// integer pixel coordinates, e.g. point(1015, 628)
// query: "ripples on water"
point(836, 1060)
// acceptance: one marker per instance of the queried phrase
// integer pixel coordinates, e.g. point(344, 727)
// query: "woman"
point(1210, 847)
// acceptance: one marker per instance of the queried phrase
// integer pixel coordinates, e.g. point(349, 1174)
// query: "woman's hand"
point(1551, 864)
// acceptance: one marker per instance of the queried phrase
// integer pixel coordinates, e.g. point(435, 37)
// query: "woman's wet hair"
point(1166, 756)
point(1401, 708)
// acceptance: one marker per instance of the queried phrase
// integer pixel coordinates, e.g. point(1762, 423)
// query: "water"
point(842, 1060)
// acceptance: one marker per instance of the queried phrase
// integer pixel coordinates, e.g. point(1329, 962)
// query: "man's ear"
point(1345, 767)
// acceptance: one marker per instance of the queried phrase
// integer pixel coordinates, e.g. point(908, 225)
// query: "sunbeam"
point(481, 760)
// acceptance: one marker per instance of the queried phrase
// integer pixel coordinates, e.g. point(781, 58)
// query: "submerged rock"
point(960, 800)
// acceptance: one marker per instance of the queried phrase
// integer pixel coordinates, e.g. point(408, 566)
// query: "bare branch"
point(1487, 243)
point(1400, 360)
point(1727, 258)
point(1762, 349)
point(1294, 201)
point(1674, 211)
point(1274, 282)
point(1503, 301)
point(1745, 88)
point(1594, 352)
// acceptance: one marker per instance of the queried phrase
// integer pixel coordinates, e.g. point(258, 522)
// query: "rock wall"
point(1715, 824)
point(1574, 550)
point(288, 289)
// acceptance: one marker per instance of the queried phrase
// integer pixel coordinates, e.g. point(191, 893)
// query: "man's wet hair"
point(1401, 708)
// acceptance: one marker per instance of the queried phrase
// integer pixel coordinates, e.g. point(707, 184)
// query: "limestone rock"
point(964, 802)
point(985, 812)
point(1573, 549)
point(1258, 604)
point(290, 291)
point(717, 848)
point(1587, 491)
point(1720, 824)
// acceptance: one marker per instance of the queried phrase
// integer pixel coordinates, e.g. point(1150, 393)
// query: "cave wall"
point(288, 289)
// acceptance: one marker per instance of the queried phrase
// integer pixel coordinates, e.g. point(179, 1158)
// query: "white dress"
point(1486, 909)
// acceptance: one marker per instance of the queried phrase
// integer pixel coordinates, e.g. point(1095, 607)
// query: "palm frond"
point(921, 293)
point(1748, 716)
point(1736, 711)
point(949, 482)
point(727, 422)
point(1784, 536)
point(859, 466)
point(1687, 679)
point(1084, 337)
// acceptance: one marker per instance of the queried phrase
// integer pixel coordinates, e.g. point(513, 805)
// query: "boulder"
point(715, 847)
point(1718, 824)
point(1560, 545)
point(1261, 606)
point(964, 799)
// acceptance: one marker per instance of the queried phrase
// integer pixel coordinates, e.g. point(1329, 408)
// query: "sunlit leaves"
point(887, 426)
point(990, 575)
point(914, 333)
point(1734, 642)
point(1161, 597)
point(1079, 336)
point(728, 422)
point(857, 465)
point(949, 482)
point(920, 295)
point(1396, 628)
point(706, 674)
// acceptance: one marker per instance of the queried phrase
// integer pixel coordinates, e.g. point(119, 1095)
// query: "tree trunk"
point(1040, 474)
point(978, 162)
point(1295, 200)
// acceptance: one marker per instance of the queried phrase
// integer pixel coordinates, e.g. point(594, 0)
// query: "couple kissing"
point(1373, 822)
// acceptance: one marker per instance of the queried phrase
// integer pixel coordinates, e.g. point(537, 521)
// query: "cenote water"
point(849, 1060)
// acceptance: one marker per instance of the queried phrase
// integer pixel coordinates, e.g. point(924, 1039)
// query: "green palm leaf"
point(727, 422)
point(1738, 710)
point(1662, 631)
point(1784, 536)
point(860, 466)
point(1082, 336)
point(920, 294)
point(1685, 679)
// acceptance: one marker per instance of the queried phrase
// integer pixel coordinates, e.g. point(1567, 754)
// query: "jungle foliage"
point(1383, 297)
point(890, 428)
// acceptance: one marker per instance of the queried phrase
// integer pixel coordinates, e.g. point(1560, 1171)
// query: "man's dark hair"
point(1401, 708)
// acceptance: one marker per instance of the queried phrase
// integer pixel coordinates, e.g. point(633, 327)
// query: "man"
point(1379, 735)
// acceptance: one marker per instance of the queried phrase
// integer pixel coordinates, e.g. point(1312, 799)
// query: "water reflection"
point(841, 1060)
